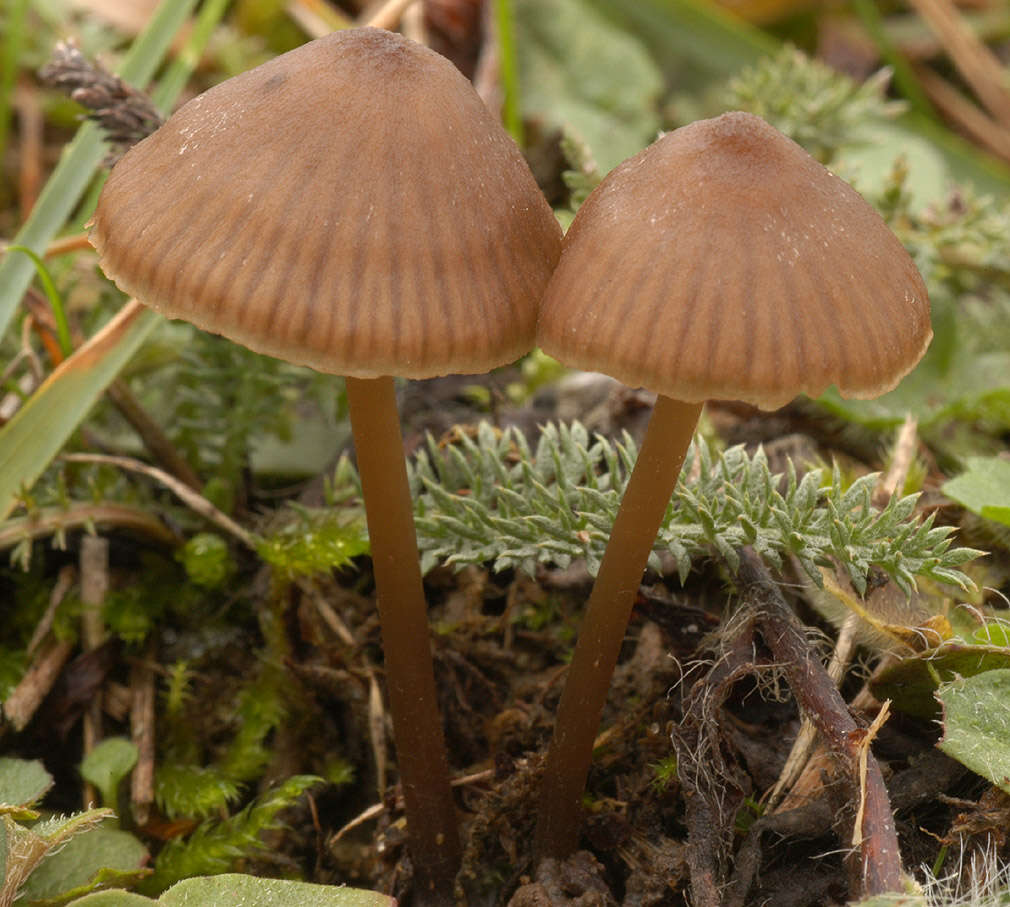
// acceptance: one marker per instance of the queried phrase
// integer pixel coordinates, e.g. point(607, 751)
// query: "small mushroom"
point(351, 206)
point(720, 262)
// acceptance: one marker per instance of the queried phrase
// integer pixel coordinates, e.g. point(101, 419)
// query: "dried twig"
point(804, 746)
point(980, 67)
point(902, 457)
point(190, 498)
point(142, 732)
point(64, 581)
point(94, 566)
point(47, 663)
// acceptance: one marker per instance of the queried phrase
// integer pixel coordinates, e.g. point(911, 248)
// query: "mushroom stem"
point(410, 679)
point(643, 506)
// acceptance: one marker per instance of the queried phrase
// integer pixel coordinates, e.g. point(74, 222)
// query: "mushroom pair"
point(722, 261)
point(354, 207)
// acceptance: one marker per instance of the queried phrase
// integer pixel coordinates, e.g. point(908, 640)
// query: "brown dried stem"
point(94, 567)
point(142, 726)
point(879, 859)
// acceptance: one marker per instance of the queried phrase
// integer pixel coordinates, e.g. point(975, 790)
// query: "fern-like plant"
point(217, 844)
point(495, 499)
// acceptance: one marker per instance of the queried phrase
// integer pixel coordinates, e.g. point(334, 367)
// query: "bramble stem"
point(607, 614)
point(417, 725)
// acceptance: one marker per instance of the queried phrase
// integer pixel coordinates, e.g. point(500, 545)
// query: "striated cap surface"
point(350, 205)
point(725, 262)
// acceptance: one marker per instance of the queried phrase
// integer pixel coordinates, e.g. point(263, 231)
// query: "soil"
point(698, 727)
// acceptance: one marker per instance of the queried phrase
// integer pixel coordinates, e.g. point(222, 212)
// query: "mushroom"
point(351, 206)
point(720, 262)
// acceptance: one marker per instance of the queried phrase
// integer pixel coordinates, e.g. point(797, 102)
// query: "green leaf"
point(983, 488)
point(249, 891)
point(912, 682)
point(28, 847)
point(53, 295)
point(976, 724)
point(102, 856)
point(22, 783)
point(108, 764)
point(972, 386)
point(114, 898)
point(42, 426)
point(581, 74)
point(867, 162)
point(695, 42)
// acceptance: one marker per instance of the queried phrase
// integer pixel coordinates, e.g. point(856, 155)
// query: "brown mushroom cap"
point(350, 205)
point(725, 262)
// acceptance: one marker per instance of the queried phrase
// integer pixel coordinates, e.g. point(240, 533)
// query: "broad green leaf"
point(42, 426)
point(581, 74)
point(308, 453)
point(912, 682)
point(66, 186)
point(108, 764)
point(697, 43)
point(101, 856)
point(248, 891)
point(984, 488)
point(22, 783)
point(994, 634)
point(694, 42)
point(867, 163)
point(972, 386)
point(113, 898)
point(57, 830)
point(28, 847)
point(976, 724)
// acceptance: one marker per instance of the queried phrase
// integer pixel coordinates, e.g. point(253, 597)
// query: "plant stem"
point(607, 614)
point(505, 26)
point(410, 678)
point(875, 859)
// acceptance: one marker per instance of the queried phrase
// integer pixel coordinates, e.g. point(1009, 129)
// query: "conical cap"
point(350, 205)
point(725, 262)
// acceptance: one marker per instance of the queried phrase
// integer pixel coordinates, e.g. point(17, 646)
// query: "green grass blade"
point(41, 427)
point(53, 295)
point(69, 180)
point(904, 77)
point(176, 76)
point(505, 24)
point(693, 39)
point(14, 39)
